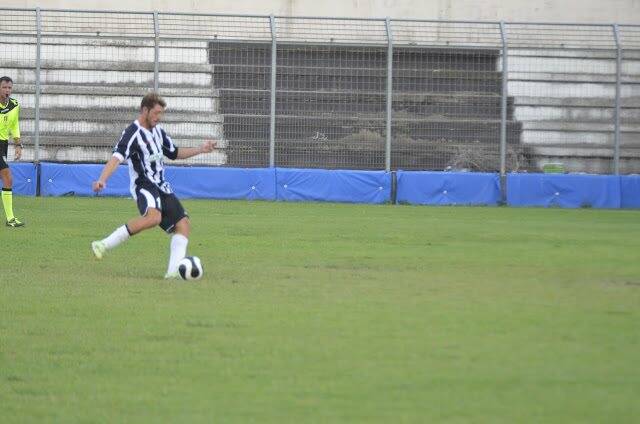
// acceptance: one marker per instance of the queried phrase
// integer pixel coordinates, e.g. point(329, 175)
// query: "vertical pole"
point(503, 112)
point(156, 54)
point(387, 153)
point(616, 137)
point(272, 122)
point(36, 123)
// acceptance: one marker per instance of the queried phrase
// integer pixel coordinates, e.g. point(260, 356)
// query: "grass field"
point(322, 313)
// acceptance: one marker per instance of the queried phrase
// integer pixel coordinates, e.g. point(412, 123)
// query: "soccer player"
point(9, 127)
point(143, 145)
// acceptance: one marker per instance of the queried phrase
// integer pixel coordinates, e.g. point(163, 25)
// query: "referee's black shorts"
point(4, 150)
point(150, 196)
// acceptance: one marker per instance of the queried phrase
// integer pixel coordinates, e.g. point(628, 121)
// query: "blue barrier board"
point(630, 191)
point(196, 182)
point(24, 178)
point(58, 179)
point(333, 185)
point(223, 183)
point(290, 184)
point(563, 190)
point(448, 188)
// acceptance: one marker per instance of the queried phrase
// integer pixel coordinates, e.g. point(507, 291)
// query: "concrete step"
point(540, 61)
point(570, 62)
point(105, 140)
point(111, 90)
point(117, 116)
point(92, 154)
point(561, 53)
point(101, 77)
point(406, 154)
point(601, 102)
point(333, 56)
point(106, 53)
point(561, 90)
point(323, 128)
point(114, 129)
point(317, 102)
point(577, 138)
point(578, 126)
point(294, 78)
point(564, 90)
point(585, 152)
point(567, 77)
point(573, 77)
point(108, 65)
point(377, 72)
point(578, 114)
point(82, 41)
point(106, 104)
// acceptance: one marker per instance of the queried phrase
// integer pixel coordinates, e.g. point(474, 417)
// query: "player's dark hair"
point(6, 79)
point(151, 99)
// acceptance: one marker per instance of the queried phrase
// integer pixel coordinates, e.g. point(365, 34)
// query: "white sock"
point(120, 235)
point(178, 251)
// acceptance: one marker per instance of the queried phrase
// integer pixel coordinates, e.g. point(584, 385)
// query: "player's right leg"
point(148, 205)
point(117, 237)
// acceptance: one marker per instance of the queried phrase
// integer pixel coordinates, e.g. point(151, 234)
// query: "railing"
point(332, 92)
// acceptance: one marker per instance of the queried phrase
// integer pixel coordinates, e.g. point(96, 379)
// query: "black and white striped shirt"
point(144, 149)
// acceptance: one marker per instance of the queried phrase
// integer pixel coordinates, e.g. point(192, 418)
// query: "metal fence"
point(331, 93)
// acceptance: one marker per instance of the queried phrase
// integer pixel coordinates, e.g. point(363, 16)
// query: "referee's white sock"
point(120, 235)
point(178, 251)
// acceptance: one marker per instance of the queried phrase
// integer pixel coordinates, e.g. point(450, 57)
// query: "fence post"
point(272, 113)
point(503, 112)
point(616, 136)
point(387, 153)
point(36, 123)
point(156, 53)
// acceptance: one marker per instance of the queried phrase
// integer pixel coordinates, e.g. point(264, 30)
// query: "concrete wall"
point(587, 11)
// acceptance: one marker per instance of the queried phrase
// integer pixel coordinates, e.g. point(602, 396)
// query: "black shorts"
point(4, 150)
point(150, 196)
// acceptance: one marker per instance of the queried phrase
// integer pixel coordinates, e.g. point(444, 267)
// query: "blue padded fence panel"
point(333, 185)
point(448, 188)
point(223, 183)
point(564, 190)
point(64, 179)
point(24, 178)
point(630, 191)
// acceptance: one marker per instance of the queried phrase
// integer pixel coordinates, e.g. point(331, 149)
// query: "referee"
point(9, 127)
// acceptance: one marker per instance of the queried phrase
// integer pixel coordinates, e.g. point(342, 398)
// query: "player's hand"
point(18, 152)
point(208, 146)
point(98, 186)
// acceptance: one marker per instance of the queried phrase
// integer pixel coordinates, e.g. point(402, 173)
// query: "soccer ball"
point(190, 268)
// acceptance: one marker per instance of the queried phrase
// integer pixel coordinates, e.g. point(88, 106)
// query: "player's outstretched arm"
point(187, 152)
point(108, 169)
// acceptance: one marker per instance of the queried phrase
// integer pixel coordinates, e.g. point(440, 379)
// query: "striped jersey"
point(9, 113)
point(144, 150)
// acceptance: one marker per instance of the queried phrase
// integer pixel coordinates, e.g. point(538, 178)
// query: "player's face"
point(5, 89)
point(154, 115)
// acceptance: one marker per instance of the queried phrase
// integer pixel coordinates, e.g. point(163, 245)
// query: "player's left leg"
point(7, 191)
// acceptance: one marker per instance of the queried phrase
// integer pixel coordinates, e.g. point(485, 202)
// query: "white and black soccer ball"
point(190, 268)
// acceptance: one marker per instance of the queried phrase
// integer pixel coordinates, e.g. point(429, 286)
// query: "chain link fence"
point(628, 95)
point(332, 93)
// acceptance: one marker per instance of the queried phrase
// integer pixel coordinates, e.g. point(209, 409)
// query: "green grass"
point(322, 313)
